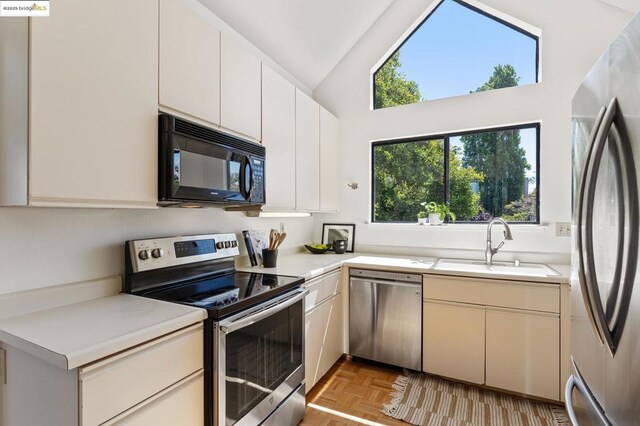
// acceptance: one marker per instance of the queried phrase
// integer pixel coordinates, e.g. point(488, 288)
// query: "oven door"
point(260, 360)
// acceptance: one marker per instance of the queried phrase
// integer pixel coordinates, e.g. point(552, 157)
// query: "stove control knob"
point(143, 254)
point(219, 245)
point(234, 243)
point(157, 252)
point(227, 244)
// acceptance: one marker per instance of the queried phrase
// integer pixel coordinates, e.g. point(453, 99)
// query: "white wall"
point(573, 35)
point(41, 247)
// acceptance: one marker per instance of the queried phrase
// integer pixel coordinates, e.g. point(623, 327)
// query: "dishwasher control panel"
point(386, 275)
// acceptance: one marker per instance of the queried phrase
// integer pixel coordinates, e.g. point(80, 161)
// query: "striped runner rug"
point(426, 400)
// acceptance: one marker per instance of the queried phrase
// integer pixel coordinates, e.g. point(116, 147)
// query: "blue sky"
point(455, 50)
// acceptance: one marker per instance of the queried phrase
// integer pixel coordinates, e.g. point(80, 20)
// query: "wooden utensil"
point(272, 239)
point(281, 238)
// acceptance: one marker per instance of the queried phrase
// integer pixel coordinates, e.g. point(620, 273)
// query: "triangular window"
point(456, 50)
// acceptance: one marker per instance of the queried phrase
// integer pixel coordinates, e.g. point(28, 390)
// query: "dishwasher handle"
point(394, 283)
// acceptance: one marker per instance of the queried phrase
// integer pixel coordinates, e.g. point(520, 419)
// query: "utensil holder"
point(269, 258)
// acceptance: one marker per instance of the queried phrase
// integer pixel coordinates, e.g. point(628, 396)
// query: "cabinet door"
point(279, 138)
point(523, 352)
point(189, 60)
point(307, 153)
point(334, 338)
point(94, 105)
point(314, 328)
point(329, 161)
point(454, 340)
point(181, 404)
point(240, 93)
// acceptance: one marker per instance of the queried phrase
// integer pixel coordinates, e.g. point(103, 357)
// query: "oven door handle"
point(258, 316)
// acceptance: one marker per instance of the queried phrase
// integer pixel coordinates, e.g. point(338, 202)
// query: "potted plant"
point(422, 217)
point(438, 212)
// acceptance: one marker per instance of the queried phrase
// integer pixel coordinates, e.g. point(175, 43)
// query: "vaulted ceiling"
point(306, 37)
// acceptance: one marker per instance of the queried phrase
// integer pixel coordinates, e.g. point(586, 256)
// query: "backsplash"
point(43, 247)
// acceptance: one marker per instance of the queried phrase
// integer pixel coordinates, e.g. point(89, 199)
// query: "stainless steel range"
point(254, 336)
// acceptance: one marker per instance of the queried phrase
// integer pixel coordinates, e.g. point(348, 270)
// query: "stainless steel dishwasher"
point(385, 317)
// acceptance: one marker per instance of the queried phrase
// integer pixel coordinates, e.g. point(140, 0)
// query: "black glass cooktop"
point(223, 295)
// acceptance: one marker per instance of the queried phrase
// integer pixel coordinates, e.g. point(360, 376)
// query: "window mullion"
point(446, 172)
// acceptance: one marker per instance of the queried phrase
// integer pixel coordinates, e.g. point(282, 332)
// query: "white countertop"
point(308, 265)
point(74, 335)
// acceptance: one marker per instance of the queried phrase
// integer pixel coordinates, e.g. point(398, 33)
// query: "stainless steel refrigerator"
point(604, 387)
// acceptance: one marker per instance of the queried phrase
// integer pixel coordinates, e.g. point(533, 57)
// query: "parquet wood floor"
point(351, 393)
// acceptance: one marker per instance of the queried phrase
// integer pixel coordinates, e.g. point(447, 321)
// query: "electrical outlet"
point(3, 367)
point(563, 229)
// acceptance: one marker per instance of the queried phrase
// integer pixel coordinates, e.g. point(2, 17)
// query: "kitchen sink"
point(499, 268)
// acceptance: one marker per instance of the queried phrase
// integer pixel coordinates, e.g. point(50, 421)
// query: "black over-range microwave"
point(199, 167)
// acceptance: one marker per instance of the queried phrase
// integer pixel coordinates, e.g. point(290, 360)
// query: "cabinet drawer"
point(321, 288)
point(331, 284)
point(181, 404)
point(502, 293)
point(110, 387)
point(316, 293)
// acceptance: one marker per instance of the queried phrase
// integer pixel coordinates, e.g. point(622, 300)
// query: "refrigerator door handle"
point(575, 382)
point(610, 326)
point(619, 299)
point(581, 229)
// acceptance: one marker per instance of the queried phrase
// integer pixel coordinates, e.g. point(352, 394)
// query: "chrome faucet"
point(490, 251)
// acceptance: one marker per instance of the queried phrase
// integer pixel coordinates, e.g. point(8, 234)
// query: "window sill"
point(449, 227)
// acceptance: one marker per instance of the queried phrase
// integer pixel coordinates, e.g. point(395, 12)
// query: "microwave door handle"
point(245, 190)
point(250, 187)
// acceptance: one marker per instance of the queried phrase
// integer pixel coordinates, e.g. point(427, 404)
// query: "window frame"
point(445, 137)
point(470, 7)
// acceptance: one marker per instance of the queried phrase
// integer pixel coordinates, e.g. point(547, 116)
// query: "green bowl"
point(316, 250)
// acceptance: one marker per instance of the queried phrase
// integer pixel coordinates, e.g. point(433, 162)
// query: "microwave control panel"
point(257, 190)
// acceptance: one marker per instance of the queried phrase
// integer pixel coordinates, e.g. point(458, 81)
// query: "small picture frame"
point(339, 231)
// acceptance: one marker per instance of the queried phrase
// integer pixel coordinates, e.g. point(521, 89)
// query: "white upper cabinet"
point(307, 153)
point(189, 60)
point(240, 101)
point(93, 104)
point(329, 161)
point(279, 138)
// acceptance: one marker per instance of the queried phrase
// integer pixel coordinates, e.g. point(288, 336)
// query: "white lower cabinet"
point(314, 326)
point(522, 352)
point(500, 333)
point(324, 326)
point(333, 348)
point(454, 339)
point(159, 382)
